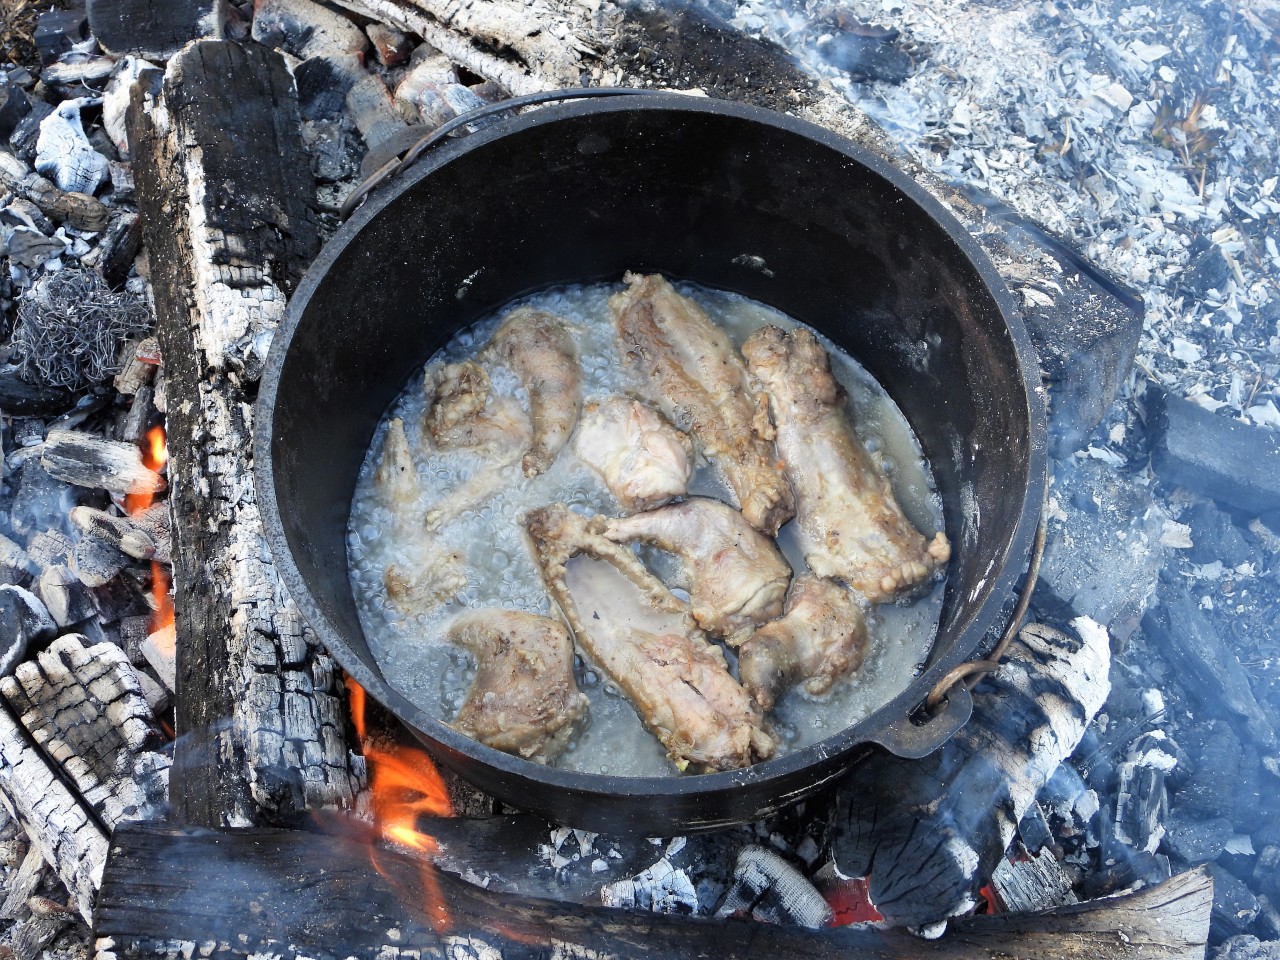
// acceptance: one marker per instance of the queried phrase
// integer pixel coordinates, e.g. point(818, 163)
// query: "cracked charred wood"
point(260, 721)
point(296, 894)
point(88, 460)
point(78, 210)
point(930, 832)
point(154, 31)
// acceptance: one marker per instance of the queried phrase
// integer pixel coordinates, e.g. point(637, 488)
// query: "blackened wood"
point(223, 191)
point(77, 210)
point(88, 460)
point(294, 894)
point(154, 31)
point(930, 832)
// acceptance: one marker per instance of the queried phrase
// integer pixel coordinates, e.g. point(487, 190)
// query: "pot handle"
point(397, 164)
point(912, 738)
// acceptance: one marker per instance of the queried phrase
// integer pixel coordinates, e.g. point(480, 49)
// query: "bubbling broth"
point(486, 539)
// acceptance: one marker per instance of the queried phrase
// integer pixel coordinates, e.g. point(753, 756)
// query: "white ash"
point(1145, 134)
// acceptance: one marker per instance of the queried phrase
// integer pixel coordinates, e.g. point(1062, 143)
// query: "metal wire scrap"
point(70, 328)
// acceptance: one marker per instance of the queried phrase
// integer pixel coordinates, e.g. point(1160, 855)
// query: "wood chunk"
point(24, 883)
point(1036, 883)
point(770, 890)
point(154, 31)
point(930, 832)
point(260, 723)
point(66, 597)
point(16, 566)
point(87, 460)
point(96, 561)
point(32, 936)
point(161, 651)
point(136, 371)
point(48, 548)
point(326, 899)
point(392, 46)
point(1221, 458)
point(144, 536)
point(77, 210)
point(115, 252)
point(23, 619)
point(58, 824)
point(139, 418)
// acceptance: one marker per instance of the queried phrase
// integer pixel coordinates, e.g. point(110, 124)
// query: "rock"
point(1223, 459)
point(1103, 554)
point(1196, 841)
point(14, 105)
point(23, 620)
point(1205, 666)
point(1215, 537)
point(867, 59)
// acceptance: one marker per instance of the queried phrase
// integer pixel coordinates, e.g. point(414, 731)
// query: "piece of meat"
point(735, 575)
point(643, 637)
point(699, 382)
point(538, 347)
point(643, 460)
point(463, 414)
point(820, 638)
point(849, 522)
point(524, 698)
point(396, 478)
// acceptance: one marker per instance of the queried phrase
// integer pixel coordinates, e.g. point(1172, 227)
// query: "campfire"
point(186, 769)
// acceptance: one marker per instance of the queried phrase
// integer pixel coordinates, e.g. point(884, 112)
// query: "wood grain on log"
point(293, 895)
point(88, 460)
point(223, 189)
point(155, 31)
point(77, 210)
point(930, 832)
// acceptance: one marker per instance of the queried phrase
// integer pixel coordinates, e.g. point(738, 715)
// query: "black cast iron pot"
point(729, 196)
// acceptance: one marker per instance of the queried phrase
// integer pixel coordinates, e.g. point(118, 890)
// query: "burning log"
point(930, 832)
point(88, 460)
point(259, 716)
point(296, 895)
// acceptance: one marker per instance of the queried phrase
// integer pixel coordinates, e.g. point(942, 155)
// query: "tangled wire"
point(70, 328)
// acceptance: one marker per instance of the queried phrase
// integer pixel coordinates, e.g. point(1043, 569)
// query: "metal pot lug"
point(911, 738)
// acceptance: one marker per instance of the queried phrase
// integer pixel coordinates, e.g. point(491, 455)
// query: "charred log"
point(223, 191)
point(292, 894)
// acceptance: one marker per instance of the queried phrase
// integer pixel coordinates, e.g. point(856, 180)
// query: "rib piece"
point(645, 640)
point(538, 348)
point(524, 699)
point(850, 524)
point(643, 460)
point(821, 637)
point(702, 387)
point(735, 574)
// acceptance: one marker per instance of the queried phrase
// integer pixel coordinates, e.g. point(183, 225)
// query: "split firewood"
point(143, 536)
point(57, 821)
point(1032, 883)
point(307, 895)
point(261, 723)
point(24, 883)
point(66, 597)
point(88, 460)
point(930, 832)
point(138, 367)
point(82, 704)
point(77, 210)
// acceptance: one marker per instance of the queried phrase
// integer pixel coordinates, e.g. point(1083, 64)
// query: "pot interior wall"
point(584, 193)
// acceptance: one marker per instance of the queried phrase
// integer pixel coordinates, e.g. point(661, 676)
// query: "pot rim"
point(889, 725)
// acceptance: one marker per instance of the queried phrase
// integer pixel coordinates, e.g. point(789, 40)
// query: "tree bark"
point(223, 189)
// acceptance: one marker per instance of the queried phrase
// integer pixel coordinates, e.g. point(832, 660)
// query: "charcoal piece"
point(867, 59)
point(1223, 459)
point(1207, 270)
point(68, 599)
point(1033, 883)
point(20, 397)
point(1103, 558)
point(14, 105)
point(1140, 868)
point(1141, 805)
point(27, 132)
point(16, 566)
point(1234, 906)
point(24, 620)
point(114, 255)
point(41, 503)
point(1204, 664)
point(770, 890)
point(1208, 791)
point(392, 46)
point(1193, 840)
point(134, 631)
point(1215, 537)
point(49, 547)
point(333, 149)
point(1034, 830)
point(1247, 947)
point(117, 600)
point(154, 31)
point(96, 562)
point(57, 31)
point(322, 88)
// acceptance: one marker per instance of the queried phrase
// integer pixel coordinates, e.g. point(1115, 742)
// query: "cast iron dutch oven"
point(729, 196)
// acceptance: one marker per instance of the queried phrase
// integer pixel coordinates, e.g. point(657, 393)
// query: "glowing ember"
point(155, 456)
point(405, 786)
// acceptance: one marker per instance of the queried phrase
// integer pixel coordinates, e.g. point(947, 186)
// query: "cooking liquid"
point(501, 570)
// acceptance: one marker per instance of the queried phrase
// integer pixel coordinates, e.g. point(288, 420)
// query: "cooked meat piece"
point(396, 477)
point(434, 578)
point(538, 348)
point(463, 415)
point(643, 460)
point(700, 384)
point(850, 524)
point(524, 699)
point(821, 637)
point(735, 575)
point(644, 639)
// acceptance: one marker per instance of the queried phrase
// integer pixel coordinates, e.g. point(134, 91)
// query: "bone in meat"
point(702, 387)
point(850, 525)
point(524, 699)
point(538, 348)
point(644, 639)
point(643, 460)
point(821, 637)
point(736, 576)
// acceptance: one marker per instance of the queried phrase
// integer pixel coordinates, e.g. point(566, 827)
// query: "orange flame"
point(405, 785)
point(154, 457)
